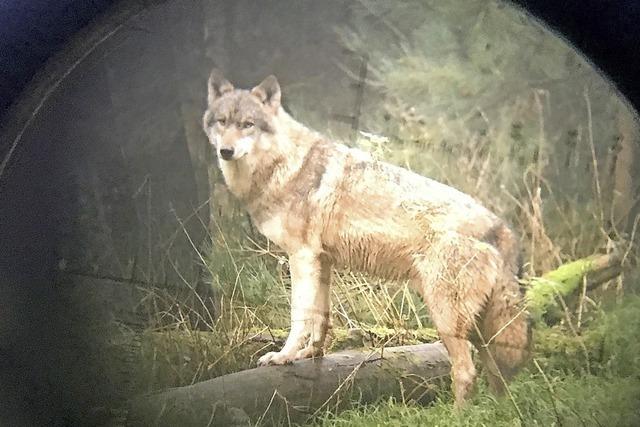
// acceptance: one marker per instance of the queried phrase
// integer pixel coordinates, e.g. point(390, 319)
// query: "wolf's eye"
point(221, 121)
point(247, 125)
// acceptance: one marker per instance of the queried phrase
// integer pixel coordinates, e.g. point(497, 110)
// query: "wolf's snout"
point(226, 153)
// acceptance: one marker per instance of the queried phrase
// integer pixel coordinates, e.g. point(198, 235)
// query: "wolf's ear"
point(268, 92)
point(218, 85)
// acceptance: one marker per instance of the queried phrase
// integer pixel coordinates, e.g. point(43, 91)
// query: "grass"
point(575, 401)
point(560, 393)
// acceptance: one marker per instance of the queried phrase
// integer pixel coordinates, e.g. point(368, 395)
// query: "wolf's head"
point(237, 121)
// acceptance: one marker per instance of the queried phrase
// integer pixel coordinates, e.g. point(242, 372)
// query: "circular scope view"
point(327, 213)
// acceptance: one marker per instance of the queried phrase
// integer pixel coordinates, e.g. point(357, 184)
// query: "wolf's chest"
point(236, 177)
point(273, 228)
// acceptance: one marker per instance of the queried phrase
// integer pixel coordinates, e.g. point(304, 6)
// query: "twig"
point(551, 392)
point(575, 332)
point(593, 155)
point(583, 295)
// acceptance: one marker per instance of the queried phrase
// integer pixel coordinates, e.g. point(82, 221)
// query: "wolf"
point(330, 206)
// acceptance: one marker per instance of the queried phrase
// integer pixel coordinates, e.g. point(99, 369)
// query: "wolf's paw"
point(276, 358)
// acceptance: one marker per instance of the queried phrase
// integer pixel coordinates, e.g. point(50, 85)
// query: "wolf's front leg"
point(310, 281)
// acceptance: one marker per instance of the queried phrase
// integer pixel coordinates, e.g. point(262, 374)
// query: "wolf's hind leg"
point(505, 342)
point(456, 278)
point(310, 281)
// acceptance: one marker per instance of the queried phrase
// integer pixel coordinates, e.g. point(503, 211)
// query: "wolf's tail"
point(505, 326)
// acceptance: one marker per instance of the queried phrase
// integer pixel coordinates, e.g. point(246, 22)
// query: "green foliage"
point(612, 343)
point(589, 401)
point(607, 393)
point(176, 357)
point(246, 276)
point(620, 334)
point(610, 346)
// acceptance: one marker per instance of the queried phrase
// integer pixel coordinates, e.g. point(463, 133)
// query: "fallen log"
point(297, 391)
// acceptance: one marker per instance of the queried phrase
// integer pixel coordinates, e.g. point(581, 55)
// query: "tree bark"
point(296, 391)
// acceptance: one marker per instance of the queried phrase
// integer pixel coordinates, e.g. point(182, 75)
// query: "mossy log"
point(296, 391)
point(543, 291)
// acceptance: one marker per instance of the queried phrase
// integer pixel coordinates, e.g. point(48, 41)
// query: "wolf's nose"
point(226, 153)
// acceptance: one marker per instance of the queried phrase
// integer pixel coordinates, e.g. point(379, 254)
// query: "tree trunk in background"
point(625, 175)
point(188, 47)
